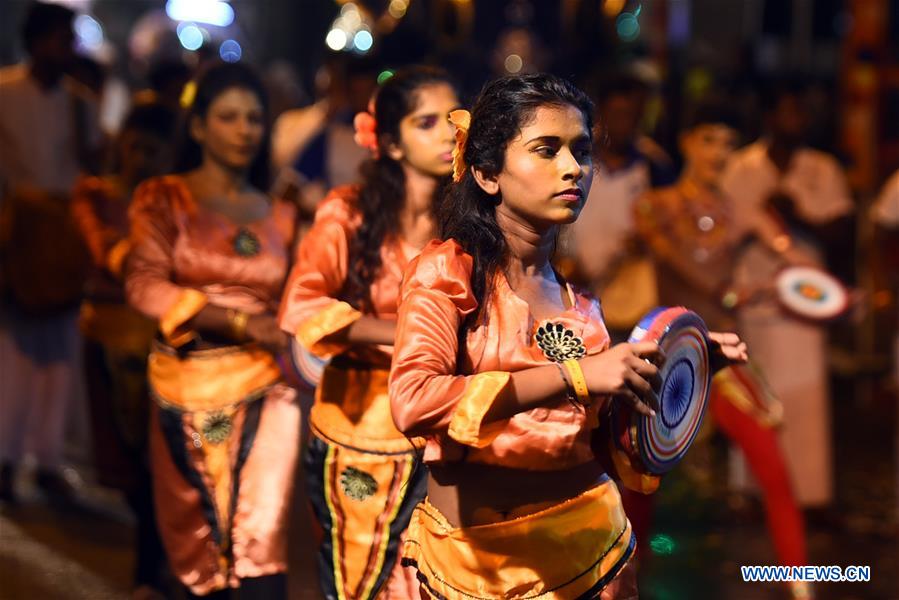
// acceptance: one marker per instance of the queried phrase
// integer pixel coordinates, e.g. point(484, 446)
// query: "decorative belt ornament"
point(357, 484)
point(217, 427)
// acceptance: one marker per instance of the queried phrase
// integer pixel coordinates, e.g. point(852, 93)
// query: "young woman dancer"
point(507, 371)
point(209, 260)
point(340, 303)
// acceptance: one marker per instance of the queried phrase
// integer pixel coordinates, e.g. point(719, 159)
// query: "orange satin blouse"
point(100, 211)
point(184, 256)
point(312, 309)
point(434, 396)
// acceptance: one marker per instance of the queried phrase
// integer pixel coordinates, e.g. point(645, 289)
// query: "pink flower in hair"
point(366, 136)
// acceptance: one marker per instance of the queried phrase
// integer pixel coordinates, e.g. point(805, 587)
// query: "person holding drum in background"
point(363, 476)
point(787, 196)
point(508, 373)
point(690, 233)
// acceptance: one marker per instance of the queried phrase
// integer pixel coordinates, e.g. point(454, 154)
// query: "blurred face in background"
point(54, 49)
point(232, 130)
point(619, 118)
point(427, 137)
point(143, 154)
point(706, 149)
point(788, 121)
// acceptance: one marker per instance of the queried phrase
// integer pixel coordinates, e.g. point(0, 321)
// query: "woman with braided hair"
point(364, 477)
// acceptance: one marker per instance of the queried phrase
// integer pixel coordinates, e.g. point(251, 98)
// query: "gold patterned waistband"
point(352, 409)
point(566, 551)
point(212, 379)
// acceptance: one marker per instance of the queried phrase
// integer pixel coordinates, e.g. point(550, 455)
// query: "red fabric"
point(762, 451)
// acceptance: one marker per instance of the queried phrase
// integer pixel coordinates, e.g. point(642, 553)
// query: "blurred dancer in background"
point(209, 258)
point(363, 475)
point(791, 199)
point(694, 243)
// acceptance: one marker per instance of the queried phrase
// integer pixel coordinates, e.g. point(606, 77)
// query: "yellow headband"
point(462, 120)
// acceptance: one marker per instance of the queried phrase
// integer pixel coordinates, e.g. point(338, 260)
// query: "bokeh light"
point(190, 36)
point(213, 12)
point(513, 63)
point(336, 39)
point(230, 51)
point(662, 544)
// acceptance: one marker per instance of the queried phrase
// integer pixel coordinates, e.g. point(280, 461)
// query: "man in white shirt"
point(48, 134)
point(787, 195)
point(602, 241)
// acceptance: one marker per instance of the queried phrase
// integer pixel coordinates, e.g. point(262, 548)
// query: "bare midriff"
point(469, 494)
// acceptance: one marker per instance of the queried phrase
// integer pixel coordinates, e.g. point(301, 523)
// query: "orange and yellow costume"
point(224, 431)
point(561, 550)
point(363, 475)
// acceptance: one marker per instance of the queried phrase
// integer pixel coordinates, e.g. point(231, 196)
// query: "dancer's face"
point(232, 130)
point(426, 135)
point(548, 168)
point(706, 149)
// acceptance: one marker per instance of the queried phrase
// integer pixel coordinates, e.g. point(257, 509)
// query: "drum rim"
point(297, 352)
point(836, 313)
point(642, 423)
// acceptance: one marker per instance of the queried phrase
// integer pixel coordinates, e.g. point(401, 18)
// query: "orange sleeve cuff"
point(467, 426)
point(116, 256)
point(328, 321)
point(629, 477)
point(171, 324)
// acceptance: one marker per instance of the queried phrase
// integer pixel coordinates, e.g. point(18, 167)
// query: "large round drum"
point(811, 293)
point(302, 368)
point(663, 440)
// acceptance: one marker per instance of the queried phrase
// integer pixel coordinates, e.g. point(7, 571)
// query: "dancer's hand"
point(627, 372)
point(726, 349)
point(263, 329)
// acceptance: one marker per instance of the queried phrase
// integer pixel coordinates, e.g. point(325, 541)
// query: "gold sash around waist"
point(213, 379)
point(352, 409)
point(558, 553)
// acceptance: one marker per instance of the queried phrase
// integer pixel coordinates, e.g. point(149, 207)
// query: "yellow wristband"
point(578, 382)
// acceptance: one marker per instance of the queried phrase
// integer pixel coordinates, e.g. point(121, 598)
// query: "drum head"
point(663, 440)
point(811, 293)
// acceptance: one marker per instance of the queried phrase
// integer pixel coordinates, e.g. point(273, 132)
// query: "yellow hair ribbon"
point(462, 120)
point(188, 94)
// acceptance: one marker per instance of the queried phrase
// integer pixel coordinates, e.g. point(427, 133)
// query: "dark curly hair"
point(383, 191)
point(468, 215)
point(217, 79)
